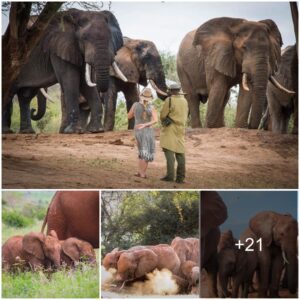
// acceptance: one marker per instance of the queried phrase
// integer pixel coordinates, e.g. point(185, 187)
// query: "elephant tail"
point(45, 221)
point(42, 106)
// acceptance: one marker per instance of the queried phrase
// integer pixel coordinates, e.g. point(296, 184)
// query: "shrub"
point(15, 219)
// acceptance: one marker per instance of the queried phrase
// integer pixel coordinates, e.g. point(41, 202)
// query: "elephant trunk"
point(259, 81)
point(292, 269)
point(41, 101)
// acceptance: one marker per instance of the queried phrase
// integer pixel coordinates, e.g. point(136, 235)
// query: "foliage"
point(15, 219)
point(169, 64)
point(147, 218)
point(80, 283)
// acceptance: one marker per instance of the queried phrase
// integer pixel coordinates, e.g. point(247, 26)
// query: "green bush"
point(15, 219)
point(34, 211)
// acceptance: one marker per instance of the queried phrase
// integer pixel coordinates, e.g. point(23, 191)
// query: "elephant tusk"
point(245, 83)
point(123, 284)
point(284, 258)
point(279, 86)
point(88, 76)
point(119, 72)
point(157, 89)
point(47, 96)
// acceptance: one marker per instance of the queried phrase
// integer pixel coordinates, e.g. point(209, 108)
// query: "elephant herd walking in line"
point(86, 53)
point(269, 252)
point(181, 258)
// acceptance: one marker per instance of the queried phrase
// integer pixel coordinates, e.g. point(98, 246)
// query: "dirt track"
point(216, 158)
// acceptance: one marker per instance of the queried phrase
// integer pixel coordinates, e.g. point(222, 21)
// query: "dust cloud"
point(107, 278)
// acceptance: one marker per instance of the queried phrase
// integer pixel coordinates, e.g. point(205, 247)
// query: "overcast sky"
point(166, 23)
point(242, 205)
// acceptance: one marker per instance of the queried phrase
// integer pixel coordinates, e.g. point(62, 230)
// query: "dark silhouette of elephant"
point(213, 214)
point(77, 49)
point(74, 214)
point(224, 52)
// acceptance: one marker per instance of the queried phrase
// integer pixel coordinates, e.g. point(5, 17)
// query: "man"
point(172, 135)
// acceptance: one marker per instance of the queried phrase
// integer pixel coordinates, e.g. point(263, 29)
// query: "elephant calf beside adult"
point(77, 48)
point(224, 52)
point(74, 214)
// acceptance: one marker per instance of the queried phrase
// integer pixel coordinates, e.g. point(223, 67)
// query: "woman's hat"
point(146, 95)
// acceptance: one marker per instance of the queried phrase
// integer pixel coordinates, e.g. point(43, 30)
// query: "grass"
point(79, 283)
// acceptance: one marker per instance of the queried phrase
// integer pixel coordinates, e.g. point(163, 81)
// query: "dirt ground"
point(215, 158)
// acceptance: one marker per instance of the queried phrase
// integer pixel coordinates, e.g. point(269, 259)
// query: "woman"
point(145, 116)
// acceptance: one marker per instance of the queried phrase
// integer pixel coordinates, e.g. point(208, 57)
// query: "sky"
point(242, 205)
point(166, 23)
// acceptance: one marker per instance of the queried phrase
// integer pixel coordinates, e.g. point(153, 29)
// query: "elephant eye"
point(82, 22)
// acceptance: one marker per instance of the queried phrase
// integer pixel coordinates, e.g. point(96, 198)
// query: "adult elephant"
point(77, 48)
point(224, 52)
point(279, 233)
point(213, 214)
point(187, 249)
point(74, 214)
point(281, 104)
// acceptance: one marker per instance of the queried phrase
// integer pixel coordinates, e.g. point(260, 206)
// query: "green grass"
point(81, 282)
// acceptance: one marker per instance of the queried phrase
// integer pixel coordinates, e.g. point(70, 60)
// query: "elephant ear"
point(213, 211)
point(276, 43)
point(60, 38)
point(71, 247)
point(117, 37)
point(146, 261)
point(32, 243)
point(216, 40)
point(262, 225)
point(126, 64)
point(53, 234)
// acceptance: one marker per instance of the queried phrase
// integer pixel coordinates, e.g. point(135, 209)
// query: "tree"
point(18, 41)
point(169, 63)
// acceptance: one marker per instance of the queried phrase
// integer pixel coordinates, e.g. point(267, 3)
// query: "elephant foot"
point(71, 129)
point(108, 128)
point(94, 129)
point(7, 130)
point(28, 130)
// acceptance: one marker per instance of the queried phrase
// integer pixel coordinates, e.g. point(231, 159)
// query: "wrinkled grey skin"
point(72, 39)
point(213, 58)
point(280, 104)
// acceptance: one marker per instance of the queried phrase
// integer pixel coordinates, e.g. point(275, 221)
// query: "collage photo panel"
point(149, 149)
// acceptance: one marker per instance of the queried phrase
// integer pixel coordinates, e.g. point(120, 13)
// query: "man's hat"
point(175, 86)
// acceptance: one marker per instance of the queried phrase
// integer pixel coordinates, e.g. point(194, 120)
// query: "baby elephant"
point(191, 273)
point(33, 250)
point(74, 250)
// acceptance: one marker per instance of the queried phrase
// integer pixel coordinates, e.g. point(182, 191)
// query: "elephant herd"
point(86, 53)
point(72, 234)
point(181, 258)
point(266, 261)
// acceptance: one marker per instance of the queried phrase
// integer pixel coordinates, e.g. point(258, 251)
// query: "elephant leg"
point(223, 281)
point(276, 272)
point(131, 95)
point(216, 98)
point(286, 114)
point(110, 103)
point(69, 78)
point(83, 117)
point(237, 282)
point(295, 114)
point(194, 108)
point(25, 123)
point(243, 109)
point(6, 118)
point(221, 121)
point(64, 118)
point(92, 96)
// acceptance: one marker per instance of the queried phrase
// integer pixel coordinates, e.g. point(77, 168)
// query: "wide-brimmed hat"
point(146, 95)
point(175, 86)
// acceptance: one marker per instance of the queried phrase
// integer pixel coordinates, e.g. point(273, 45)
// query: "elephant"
point(136, 263)
point(224, 52)
point(187, 249)
point(191, 272)
point(74, 214)
point(213, 214)
point(77, 48)
point(34, 250)
point(279, 233)
point(235, 263)
point(281, 104)
point(74, 250)
point(139, 61)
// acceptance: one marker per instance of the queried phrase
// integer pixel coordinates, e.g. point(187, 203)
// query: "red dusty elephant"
point(33, 250)
point(74, 214)
point(187, 249)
